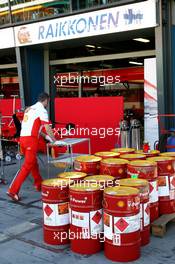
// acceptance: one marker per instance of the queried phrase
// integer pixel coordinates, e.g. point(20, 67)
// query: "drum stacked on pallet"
point(121, 223)
point(77, 214)
point(86, 218)
point(145, 169)
point(143, 187)
point(166, 184)
point(55, 198)
point(88, 164)
point(169, 154)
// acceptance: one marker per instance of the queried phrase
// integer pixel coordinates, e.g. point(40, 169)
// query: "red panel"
point(95, 113)
point(6, 106)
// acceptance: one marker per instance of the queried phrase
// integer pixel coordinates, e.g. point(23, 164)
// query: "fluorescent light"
point(90, 46)
point(106, 65)
point(142, 40)
point(99, 47)
point(136, 62)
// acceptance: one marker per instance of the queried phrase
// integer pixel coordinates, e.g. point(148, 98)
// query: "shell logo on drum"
point(169, 167)
point(77, 165)
point(120, 171)
point(121, 204)
point(98, 166)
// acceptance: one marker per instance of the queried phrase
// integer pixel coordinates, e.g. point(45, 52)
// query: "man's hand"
point(49, 139)
point(49, 132)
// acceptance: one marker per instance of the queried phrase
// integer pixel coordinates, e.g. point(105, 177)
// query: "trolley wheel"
point(18, 156)
point(8, 159)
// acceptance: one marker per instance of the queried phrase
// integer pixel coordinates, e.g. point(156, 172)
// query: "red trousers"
point(29, 147)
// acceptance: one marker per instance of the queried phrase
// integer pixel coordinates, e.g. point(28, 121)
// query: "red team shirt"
point(34, 117)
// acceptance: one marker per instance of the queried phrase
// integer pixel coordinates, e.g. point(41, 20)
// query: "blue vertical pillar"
point(32, 70)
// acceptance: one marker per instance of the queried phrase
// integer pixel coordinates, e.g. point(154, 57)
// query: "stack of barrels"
point(166, 184)
point(108, 202)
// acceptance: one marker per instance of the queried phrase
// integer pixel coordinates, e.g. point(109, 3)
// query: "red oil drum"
point(86, 218)
point(151, 153)
point(102, 180)
point(114, 167)
point(164, 165)
point(166, 184)
point(121, 223)
point(168, 154)
point(107, 154)
point(147, 170)
point(55, 198)
point(74, 176)
point(123, 150)
point(143, 187)
point(88, 164)
point(131, 157)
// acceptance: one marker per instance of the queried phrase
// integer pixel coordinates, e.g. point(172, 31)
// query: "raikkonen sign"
point(117, 19)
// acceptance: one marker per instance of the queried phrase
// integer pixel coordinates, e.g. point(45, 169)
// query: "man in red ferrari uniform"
point(35, 117)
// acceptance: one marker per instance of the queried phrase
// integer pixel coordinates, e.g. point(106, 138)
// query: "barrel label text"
point(78, 201)
point(90, 222)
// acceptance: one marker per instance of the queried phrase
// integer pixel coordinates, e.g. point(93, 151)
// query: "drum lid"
point(121, 191)
point(161, 158)
point(107, 153)
point(140, 151)
point(88, 158)
point(98, 178)
point(85, 187)
point(72, 175)
point(168, 154)
point(123, 150)
point(133, 182)
point(142, 163)
point(55, 182)
point(132, 156)
point(114, 161)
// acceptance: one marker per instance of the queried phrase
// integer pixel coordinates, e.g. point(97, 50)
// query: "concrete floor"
point(21, 233)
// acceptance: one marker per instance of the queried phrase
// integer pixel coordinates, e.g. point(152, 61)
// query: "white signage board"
point(151, 131)
point(111, 20)
point(7, 38)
